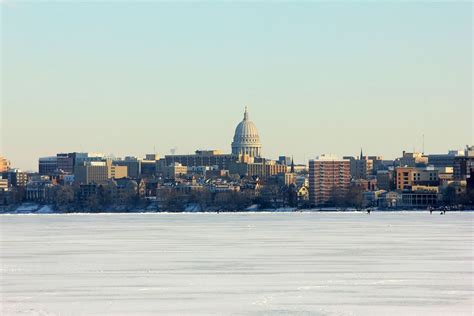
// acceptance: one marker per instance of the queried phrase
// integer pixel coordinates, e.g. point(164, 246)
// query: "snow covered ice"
point(405, 263)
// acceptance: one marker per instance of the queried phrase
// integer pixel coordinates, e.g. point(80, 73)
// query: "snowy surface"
point(407, 263)
point(27, 208)
point(45, 209)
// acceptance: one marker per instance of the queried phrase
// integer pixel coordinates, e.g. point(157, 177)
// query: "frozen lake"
point(408, 263)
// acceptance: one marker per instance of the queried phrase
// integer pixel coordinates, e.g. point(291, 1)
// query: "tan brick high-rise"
point(329, 177)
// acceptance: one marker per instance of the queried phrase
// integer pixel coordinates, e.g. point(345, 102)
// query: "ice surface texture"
point(407, 263)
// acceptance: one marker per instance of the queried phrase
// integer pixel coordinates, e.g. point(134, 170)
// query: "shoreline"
point(27, 209)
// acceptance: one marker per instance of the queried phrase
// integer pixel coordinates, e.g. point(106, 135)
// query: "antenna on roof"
point(423, 147)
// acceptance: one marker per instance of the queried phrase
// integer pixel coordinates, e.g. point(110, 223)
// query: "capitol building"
point(246, 140)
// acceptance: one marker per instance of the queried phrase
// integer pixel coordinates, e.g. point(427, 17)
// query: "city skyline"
point(236, 157)
point(312, 74)
point(245, 139)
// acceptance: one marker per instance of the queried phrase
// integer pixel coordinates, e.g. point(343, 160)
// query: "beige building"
point(3, 184)
point(152, 157)
point(116, 172)
point(404, 177)
point(263, 168)
point(365, 168)
point(287, 178)
point(91, 172)
point(426, 176)
point(409, 177)
point(174, 170)
point(98, 172)
point(4, 164)
point(199, 158)
point(412, 159)
point(445, 174)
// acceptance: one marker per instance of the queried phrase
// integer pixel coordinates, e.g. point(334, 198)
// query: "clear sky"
point(127, 77)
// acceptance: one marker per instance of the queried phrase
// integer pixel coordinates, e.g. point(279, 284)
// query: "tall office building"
point(133, 164)
point(91, 172)
point(15, 177)
point(47, 165)
point(65, 162)
point(361, 167)
point(98, 172)
point(329, 176)
point(463, 165)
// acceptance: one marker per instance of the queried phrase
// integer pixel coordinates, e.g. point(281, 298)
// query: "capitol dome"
point(246, 139)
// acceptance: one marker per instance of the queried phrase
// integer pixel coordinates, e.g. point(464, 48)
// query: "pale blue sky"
point(125, 77)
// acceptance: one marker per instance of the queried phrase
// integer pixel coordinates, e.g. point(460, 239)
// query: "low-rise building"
point(263, 168)
point(286, 178)
point(4, 184)
point(202, 158)
point(407, 177)
point(39, 190)
point(414, 159)
point(389, 199)
point(385, 180)
point(125, 190)
point(371, 198)
point(426, 176)
point(445, 175)
point(6, 197)
point(223, 187)
point(420, 198)
point(202, 170)
point(15, 177)
point(366, 185)
point(303, 193)
point(87, 193)
point(444, 160)
point(174, 170)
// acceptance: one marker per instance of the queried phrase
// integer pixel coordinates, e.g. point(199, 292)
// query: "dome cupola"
point(246, 139)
